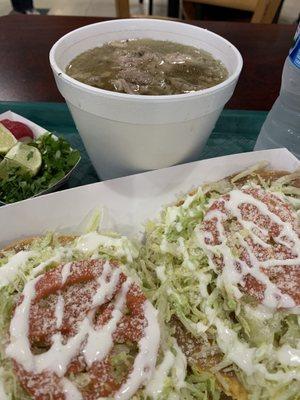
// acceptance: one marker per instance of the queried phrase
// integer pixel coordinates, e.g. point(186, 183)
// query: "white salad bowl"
point(125, 133)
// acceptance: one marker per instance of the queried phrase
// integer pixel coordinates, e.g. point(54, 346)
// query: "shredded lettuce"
point(176, 276)
point(47, 253)
point(181, 282)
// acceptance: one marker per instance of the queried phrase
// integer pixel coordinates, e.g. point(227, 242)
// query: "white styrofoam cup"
point(126, 133)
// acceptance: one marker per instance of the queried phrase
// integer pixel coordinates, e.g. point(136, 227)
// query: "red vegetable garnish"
point(18, 129)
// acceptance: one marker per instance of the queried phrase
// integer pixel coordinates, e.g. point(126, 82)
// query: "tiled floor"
point(88, 7)
point(5, 7)
point(289, 12)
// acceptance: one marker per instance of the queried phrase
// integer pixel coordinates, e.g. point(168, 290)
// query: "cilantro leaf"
point(58, 158)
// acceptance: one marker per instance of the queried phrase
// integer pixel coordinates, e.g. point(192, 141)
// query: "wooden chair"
point(123, 9)
point(264, 11)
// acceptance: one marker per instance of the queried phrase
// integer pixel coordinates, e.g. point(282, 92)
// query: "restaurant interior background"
point(288, 11)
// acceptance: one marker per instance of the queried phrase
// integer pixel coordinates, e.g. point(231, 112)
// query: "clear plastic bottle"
point(282, 125)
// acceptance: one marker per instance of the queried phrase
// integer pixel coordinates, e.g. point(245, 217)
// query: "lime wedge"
point(11, 167)
point(28, 157)
point(7, 140)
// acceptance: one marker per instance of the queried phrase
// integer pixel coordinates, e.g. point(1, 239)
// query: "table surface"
point(25, 41)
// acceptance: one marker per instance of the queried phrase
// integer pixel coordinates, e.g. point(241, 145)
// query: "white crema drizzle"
point(230, 277)
point(245, 357)
point(170, 363)
point(235, 350)
point(90, 243)
point(98, 342)
point(12, 268)
point(19, 261)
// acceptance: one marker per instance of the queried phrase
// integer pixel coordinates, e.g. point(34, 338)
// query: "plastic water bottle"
point(282, 125)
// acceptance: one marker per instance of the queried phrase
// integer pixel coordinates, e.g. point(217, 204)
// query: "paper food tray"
point(128, 202)
point(37, 132)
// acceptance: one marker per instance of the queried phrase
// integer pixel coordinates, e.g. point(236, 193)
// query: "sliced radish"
point(18, 129)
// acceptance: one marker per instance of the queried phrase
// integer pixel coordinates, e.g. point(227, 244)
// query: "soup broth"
point(147, 67)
